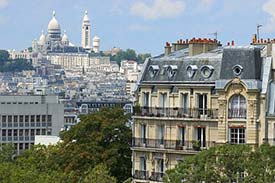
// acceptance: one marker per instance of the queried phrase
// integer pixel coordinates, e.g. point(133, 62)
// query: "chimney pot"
point(228, 43)
point(180, 41)
point(262, 40)
point(233, 43)
point(186, 41)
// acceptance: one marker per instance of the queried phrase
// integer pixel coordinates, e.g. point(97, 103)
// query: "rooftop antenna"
point(215, 34)
point(258, 30)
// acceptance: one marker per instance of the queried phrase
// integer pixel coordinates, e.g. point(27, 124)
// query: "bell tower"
point(86, 32)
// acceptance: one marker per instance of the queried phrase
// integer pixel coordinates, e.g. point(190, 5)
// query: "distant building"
point(94, 106)
point(46, 140)
point(24, 117)
point(59, 50)
point(25, 54)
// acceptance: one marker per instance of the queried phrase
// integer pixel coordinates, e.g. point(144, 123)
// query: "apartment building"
point(24, 117)
point(196, 95)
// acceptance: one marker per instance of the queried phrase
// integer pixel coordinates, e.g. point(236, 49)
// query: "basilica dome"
point(54, 25)
point(65, 37)
point(42, 38)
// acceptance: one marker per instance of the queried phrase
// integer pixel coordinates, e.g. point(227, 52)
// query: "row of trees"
point(227, 163)
point(129, 54)
point(97, 150)
point(13, 65)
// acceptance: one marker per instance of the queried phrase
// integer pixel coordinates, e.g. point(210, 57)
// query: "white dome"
point(96, 38)
point(86, 17)
point(65, 37)
point(53, 24)
point(42, 38)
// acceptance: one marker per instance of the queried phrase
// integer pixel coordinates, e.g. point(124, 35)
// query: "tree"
point(4, 55)
point(99, 174)
point(129, 54)
point(261, 165)
point(225, 163)
point(142, 57)
point(100, 137)
point(7, 152)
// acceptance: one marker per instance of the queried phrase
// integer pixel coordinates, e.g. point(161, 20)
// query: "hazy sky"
point(144, 25)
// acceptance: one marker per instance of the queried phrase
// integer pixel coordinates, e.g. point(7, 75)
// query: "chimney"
point(198, 46)
point(167, 49)
point(232, 43)
point(179, 45)
point(174, 45)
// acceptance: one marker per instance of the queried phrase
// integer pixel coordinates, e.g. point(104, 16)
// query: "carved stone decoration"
point(237, 90)
point(236, 81)
point(153, 161)
point(166, 161)
point(252, 103)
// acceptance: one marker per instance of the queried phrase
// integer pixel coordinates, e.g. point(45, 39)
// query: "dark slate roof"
point(249, 58)
point(181, 73)
point(221, 59)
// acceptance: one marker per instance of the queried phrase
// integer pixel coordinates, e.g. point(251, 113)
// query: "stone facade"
point(188, 103)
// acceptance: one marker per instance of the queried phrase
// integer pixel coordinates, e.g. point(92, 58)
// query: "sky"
point(143, 25)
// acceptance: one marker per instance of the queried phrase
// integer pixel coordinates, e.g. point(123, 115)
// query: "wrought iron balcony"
point(176, 112)
point(238, 113)
point(141, 174)
point(157, 176)
point(172, 144)
point(270, 141)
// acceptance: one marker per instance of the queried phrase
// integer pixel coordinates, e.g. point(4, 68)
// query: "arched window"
point(237, 107)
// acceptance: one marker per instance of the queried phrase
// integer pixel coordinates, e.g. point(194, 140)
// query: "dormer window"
point(172, 70)
point(153, 70)
point(191, 70)
point(164, 69)
point(237, 70)
point(207, 71)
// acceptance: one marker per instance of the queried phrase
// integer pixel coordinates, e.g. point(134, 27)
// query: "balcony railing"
point(270, 141)
point(157, 176)
point(141, 174)
point(238, 113)
point(172, 144)
point(177, 112)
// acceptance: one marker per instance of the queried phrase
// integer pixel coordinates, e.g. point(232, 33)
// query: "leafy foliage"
point(102, 137)
point(227, 163)
point(99, 174)
point(4, 55)
point(129, 54)
point(7, 152)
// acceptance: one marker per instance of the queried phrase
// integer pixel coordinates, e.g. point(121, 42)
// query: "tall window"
point(163, 100)
point(200, 136)
point(184, 102)
point(161, 134)
point(237, 107)
point(237, 135)
point(143, 133)
point(142, 164)
point(160, 166)
point(146, 99)
point(181, 135)
point(202, 103)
